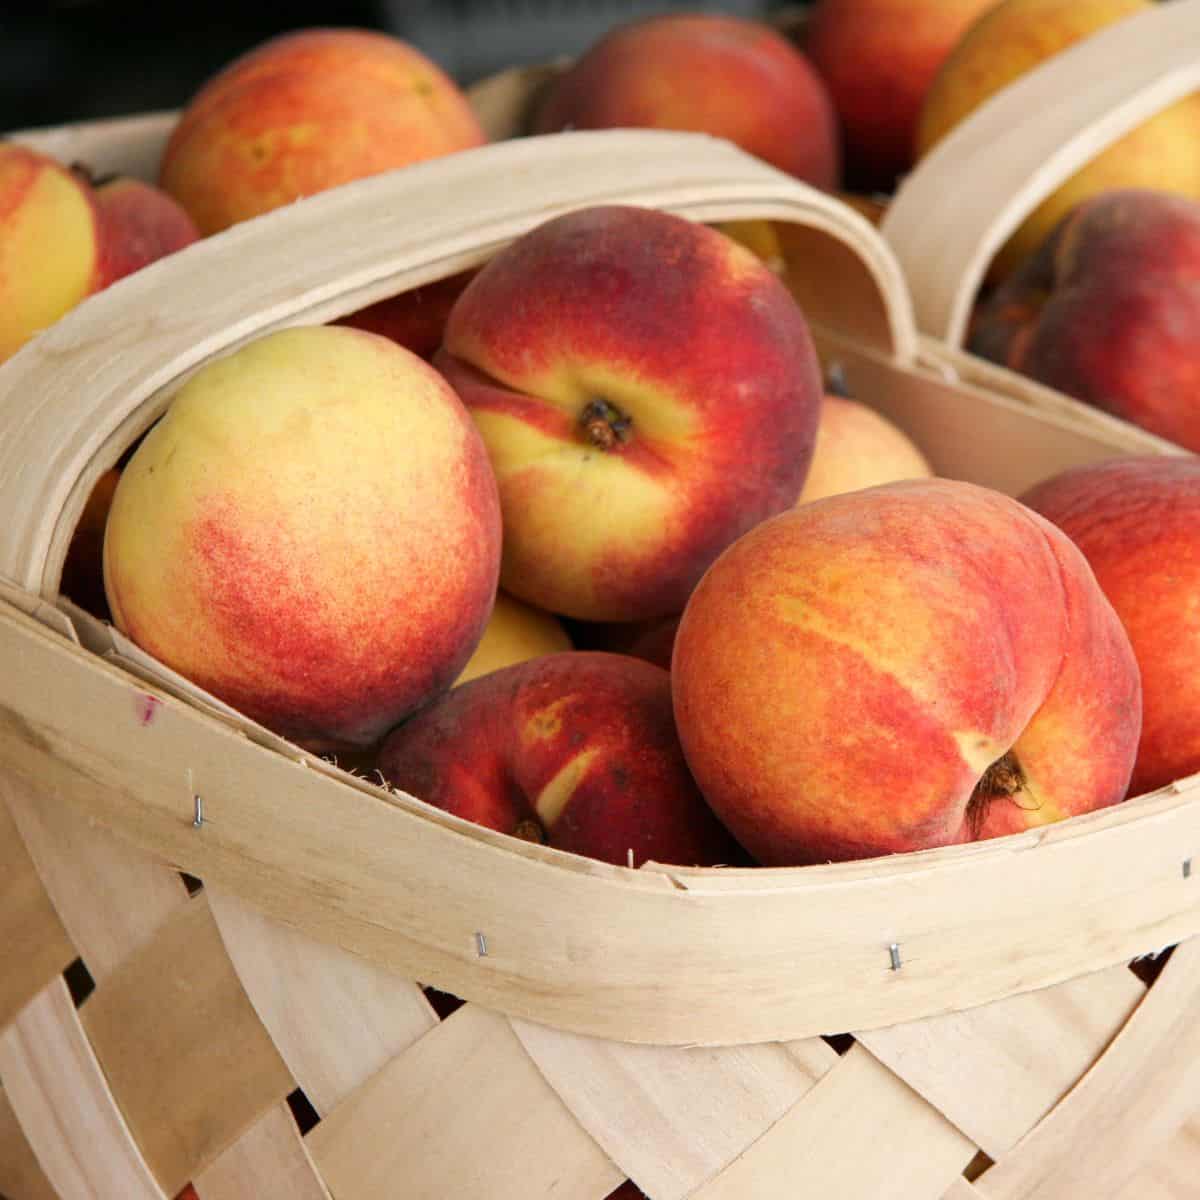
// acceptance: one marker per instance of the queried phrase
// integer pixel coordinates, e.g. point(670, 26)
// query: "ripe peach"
point(311, 533)
point(576, 749)
point(141, 225)
point(878, 58)
point(50, 243)
point(706, 73)
point(415, 320)
point(857, 448)
point(515, 632)
point(1015, 36)
point(1137, 521)
point(647, 390)
point(306, 111)
point(1108, 311)
point(918, 664)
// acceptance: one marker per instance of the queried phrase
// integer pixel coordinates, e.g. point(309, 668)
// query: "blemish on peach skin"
point(147, 708)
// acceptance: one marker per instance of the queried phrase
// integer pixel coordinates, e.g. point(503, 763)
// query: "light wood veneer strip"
point(464, 1113)
point(181, 1045)
point(335, 1019)
point(65, 1108)
point(674, 1117)
point(860, 1134)
point(996, 1070)
point(268, 1162)
point(21, 1176)
point(35, 946)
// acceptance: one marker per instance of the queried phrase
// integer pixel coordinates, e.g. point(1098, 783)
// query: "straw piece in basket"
point(111, 898)
point(65, 1107)
point(860, 1134)
point(21, 1176)
point(995, 1071)
point(184, 1051)
point(334, 1018)
point(465, 1113)
point(674, 1117)
point(1130, 1103)
point(960, 203)
point(268, 1162)
point(36, 946)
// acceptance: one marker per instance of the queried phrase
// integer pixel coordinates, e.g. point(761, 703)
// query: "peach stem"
point(530, 830)
point(604, 425)
point(1002, 778)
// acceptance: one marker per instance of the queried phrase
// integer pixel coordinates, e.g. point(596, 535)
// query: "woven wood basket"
point(661, 1025)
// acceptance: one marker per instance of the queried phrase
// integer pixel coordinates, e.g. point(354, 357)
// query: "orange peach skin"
point(515, 632)
point(577, 750)
point(878, 59)
point(311, 533)
point(51, 244)
point(703, 73)
point(858, 448)
point(1010, 39)
point(307, 111)
point(1137, 522)
point(141, 225)
point(647, 390)
point(914, 665)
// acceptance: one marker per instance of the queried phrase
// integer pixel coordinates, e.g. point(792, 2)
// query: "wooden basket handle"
point(956, 209)
point(80, 392)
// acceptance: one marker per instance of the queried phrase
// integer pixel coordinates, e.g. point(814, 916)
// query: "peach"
point(878, 59)
point(705, 73)
point(1017, 35)
point(647, 389)
point(415, 319)
point(857, 448)
point(577, 750)
point(306, 111)
point(1137, 521)
point(1108, 311)
point(50, 244)
point(515, 632)
point(919, 664)
point(141, 225)
point(311, 533)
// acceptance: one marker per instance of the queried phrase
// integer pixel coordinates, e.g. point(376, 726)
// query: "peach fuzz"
point(704, 73)
point(914, 665)
point(141, 225)
point(647, 389)
point(1137, 521)
point(857, 447)
point(1108, 311)
point(577, 750)
point(51, 244)
point(1010, 39)
point(515, 632)
point(311, 533)
point(878, 59)
point(306, 111)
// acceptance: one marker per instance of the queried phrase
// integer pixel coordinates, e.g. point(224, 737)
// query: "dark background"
point(84, 59)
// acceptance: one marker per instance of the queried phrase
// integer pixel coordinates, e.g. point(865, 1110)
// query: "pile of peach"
point(575, 545)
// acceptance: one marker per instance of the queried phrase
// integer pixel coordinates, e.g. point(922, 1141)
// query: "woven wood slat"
point(860, 1134)
point(1173, 1172)
point(334, 1018)
point(65, 1107)
point(111, 897)
point(463, 1112)
point(1143, 1088)
point(960, 1189)
point(995, 1071)
point(671, 1117)
point(36, 947)
point(21, 1175)
point(268, 1162)
point(186, 1055)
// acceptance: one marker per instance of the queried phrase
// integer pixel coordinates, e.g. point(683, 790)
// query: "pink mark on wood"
point(147, 706)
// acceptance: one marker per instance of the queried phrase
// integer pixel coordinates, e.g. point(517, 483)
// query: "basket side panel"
point(1172, 1172)
point(36, 946)
point(21, 1176)
point(463, 1112)
point(995, 1071)
point(185, 1053)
